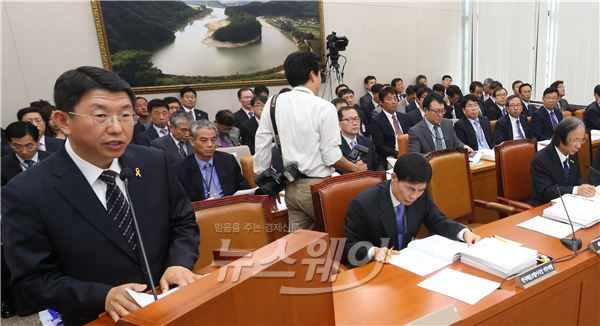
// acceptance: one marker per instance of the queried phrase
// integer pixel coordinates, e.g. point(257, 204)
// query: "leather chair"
point(567, 114)
point(585, 156)
point(243, 220)
point(493, 123)
point(402, 144)
point(513, 172)
point(332, 196)
point(451, 187)
point(579, 114)
point(247, 163)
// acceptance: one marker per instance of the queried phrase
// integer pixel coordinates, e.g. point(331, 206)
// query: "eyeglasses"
point(514, 105)
point(105, 119)
point(19, 147)
point(438, 112)
point(351, 120)
point(579, 141)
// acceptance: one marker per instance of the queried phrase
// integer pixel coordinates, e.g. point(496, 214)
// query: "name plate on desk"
point(535, 274)
point(595, 245)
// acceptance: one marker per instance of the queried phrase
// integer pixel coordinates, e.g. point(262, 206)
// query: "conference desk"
point(571, 296)
point(483, 183)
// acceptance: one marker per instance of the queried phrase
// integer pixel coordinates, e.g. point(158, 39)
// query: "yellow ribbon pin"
point(138, 173)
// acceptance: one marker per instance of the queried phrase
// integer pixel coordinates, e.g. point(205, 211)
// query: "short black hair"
point(516, 82)
point(557, 83)
point(474, 84)
point(261, 89)
point(345, 91)
point(412, 168)
point(496, 84)
point(299, 65)
point(157, 103)
point(446, 76)
point(73, 84)
point(376, 88)
point(187, 89)
point(337, 88)
point(419, 77)
point(395, 81)
point(243, 89)
point(368, 78)
point(439, 88)
point(431, 98)
point(383, 92)
point(225, 117)
point(141, 98)
point(597, 90)
point(453, 90)
point(423, 90)
point(508, 99)
point(338, 100)
point(524, 85)
point(171, 99)
point(564, 128)
point(497, 89)
point(22, 112)
point(343, 109)
point(550, 90)
point(20, 129)
point(40, 104)
point(258, 98)
point(410, 90)
point(469, 97)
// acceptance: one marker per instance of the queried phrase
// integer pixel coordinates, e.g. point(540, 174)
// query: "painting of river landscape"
point(161, 45)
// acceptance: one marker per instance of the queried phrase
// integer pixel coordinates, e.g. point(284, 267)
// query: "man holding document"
point(389, 215)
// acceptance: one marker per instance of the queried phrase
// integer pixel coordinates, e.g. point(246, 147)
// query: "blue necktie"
point(352, 144)
point(400, 225)
point(566, 170)
point(29, 163)
point(250, 115)
point(519, 129)
point(481, 137)
point(554, 120)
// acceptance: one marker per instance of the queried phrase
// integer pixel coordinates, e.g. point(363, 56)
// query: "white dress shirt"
point(159, 129)
point(390, 119)
point(349, 140)
point(562, 157)
point(190, 111)
point(22, 163)
point(91, 173)
point(42, 143)
point(309, 131)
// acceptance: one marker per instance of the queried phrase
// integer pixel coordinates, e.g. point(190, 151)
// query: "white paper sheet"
point(417, 262)
point(460, 286)
point(144, 299)
point(246, 191)
point(549, 227)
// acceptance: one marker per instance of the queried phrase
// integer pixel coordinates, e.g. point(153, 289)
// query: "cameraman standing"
point(309, 134)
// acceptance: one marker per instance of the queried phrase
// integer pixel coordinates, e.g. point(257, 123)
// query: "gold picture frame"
point(107, 62)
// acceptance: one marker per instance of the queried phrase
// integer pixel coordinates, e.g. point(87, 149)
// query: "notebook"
point(425, 256)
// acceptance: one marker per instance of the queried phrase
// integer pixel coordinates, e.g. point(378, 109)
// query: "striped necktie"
point(118, 208)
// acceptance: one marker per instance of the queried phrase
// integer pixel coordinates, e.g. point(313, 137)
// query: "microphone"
point(592, 168)
point(573, 243)
point(125, 175)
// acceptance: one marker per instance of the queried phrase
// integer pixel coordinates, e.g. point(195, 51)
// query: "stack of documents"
point(424, 256)
point(488, 155)
point(549, 227)
point(584, 212)
point(595, 134)
point(542, 143)
point(498, 257)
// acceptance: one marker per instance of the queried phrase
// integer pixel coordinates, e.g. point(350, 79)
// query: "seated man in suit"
point(387, 126)
point(415, 116)
point(33, 115)
point(188, 99)
point(410, 98)
point(209, 173)
point(349, 128)
point(390, 214)
point(366, 101)
point(421, 80)
point(591, 117)
point(228, 135)
point(454, 110)
point(245, 113)
point(339, 103)
point(433, 133)
point(173, 103)
point(595, 175)
point(545, 120)
point(525, 95)
point(557, 165)
point(398, 85)
point(497, 109)
point(23, 139)
point(159, 118)
point(141, 110)
point(177, 145)
point(66, 246)
point(515, 87)
point(472, 130)
point(248, 128)
point(365, 119)
point(514, 125)
point(261, 90)
point(376, 100)
point(476, 88)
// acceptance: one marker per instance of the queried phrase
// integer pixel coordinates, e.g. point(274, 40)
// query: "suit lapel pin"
point(138, 173)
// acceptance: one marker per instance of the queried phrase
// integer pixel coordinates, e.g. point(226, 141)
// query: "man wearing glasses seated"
point(349, 127)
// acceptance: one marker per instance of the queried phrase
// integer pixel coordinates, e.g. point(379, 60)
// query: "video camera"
point(357, 152)
point(272, 182)
point(335, 44)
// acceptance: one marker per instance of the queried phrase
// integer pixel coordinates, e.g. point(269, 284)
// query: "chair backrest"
point(579, 114)
point(247, 163)
point(493, 123)
point(567, 114)
point(402, 144)
point(513, 168)
point(332, 196)
point(237, 151)
point(450, 184)
point(585, 155)
point(245, 220)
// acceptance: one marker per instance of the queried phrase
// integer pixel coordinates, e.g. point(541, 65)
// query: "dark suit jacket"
point(547, 173)
point(240, 117)
point(167, 145)
point(527, 109)
point(488, 104)
point(199, 114)
point(248, 132)
point(371, 217)
point(228, 170)
point(366, 104)
point(493, 112)
point(595, 175)
point(414, 117)
point(504, 129)
point(411, 107)
point(541, 125)
point(456, 109)
point(53, 144)
point(138, 128)
point(384, 137)
point(591, 116)
point(368, 159)
point(420, 139)
point(65, 252)
point(145, 137)
point(466, 133)
point(11, 166)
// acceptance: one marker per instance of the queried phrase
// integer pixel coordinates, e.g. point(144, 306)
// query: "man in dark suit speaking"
point(69, 240)
point(390, 214)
